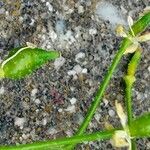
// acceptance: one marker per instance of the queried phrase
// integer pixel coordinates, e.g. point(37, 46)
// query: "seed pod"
point(141, 24)
point(140, 127)
point(23, 61)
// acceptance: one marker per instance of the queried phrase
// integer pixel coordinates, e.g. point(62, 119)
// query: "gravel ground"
point(53, 101)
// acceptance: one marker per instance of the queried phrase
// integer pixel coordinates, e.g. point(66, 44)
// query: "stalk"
point(58, 143)
point(103, 87)
point(129, 81)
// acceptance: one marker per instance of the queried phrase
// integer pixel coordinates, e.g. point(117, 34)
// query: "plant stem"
point(58, 143)
point(103, 87)
point(128, 95)
point(129, 81)
point(133, 144)
point(138, 27)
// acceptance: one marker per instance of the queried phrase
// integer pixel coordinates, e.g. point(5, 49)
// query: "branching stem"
point(137, 28)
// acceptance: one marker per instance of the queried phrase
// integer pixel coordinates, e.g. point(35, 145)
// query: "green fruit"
point(23, 61)
point(140, 127)
point(141, 24)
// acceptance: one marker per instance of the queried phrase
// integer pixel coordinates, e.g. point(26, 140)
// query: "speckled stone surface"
point(54, 100)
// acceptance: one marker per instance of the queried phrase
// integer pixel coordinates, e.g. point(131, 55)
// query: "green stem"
point(133, 144)
point(138, 27)
point(129, 81)
point(128, 95)
point(103, 87)
point(58, 143)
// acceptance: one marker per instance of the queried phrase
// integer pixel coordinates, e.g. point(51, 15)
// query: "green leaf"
point(140, 127)
point(22, 62)
point(141, 24)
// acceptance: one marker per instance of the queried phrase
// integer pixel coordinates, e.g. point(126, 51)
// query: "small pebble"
point(79, 56)
point(44, 121)
point(2, 11)
point(50, 7)
point(71, 72)
point(84, 63)
point(97, 116)
point(111, 113)
point(37, 101)
point(92, 31)
point(33, 92)
point(149, 68)
point(69, 37)
point(53, 36)
point(75, 77)
point(2, 90)
point(52, 131)
point(105, 102)
point(78, 118)
point(25, 136)
point(81, 118)
point(32, 22)
point(77, 69)
point(80, 9)
point(71, 109)
point(69, 133)
point(139, 96)
point(60, 26)
point(73, 100)
point(72, 88)
point(59, 62)
point(21, 19)
point(19, 122)
point(148, 145)
point(60, 110)
point(84, 71)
